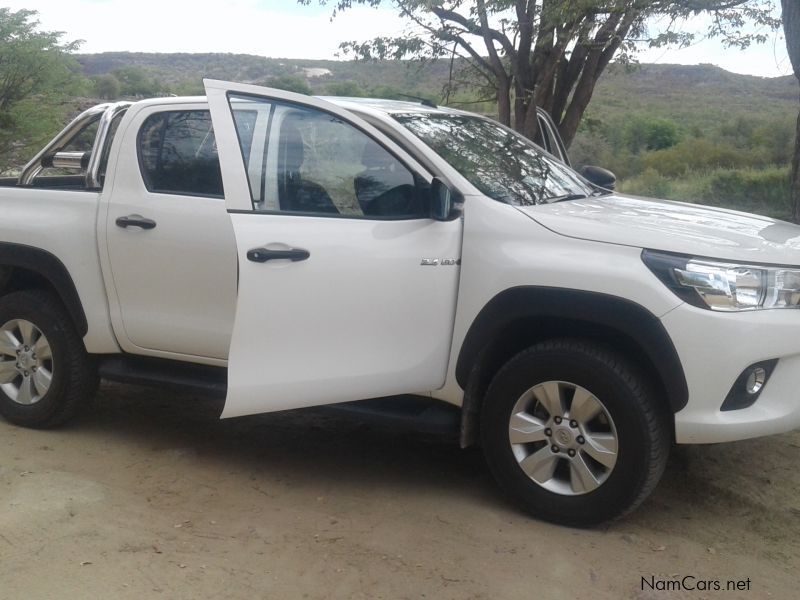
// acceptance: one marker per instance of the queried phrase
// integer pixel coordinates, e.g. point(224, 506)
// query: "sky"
point(284, 29)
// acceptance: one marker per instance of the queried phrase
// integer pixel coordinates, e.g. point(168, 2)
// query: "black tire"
point(74, 378)
point(641, 426)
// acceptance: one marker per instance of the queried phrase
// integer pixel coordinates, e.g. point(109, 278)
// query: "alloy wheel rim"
point(26, 362)
point(563, 438)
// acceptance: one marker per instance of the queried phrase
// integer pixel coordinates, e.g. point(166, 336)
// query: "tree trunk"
point(504, 102)
point(791, 27)
point(531, 124)
point(584, 89)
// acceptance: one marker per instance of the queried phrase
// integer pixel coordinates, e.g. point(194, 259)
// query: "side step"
point(415, 413)
point(180, 376)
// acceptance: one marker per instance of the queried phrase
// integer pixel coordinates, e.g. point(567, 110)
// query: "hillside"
point(671, 91)
point(689, 94)
point(188, 70)
point(694, 133)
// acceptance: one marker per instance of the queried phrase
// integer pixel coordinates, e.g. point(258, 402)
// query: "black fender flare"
point(51, 269)
point(539, 305)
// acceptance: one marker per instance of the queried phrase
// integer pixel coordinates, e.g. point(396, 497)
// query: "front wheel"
point(574, 433)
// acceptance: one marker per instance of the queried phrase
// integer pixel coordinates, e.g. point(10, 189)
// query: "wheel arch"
point(522, 316)
point(26, 267)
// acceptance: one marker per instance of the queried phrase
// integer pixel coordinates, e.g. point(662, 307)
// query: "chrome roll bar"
point(51, 154)
point(100, 140)
point(34, 166)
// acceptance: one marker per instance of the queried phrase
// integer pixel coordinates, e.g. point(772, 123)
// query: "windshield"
point(501, 164)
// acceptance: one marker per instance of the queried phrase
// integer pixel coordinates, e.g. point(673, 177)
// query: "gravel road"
point(149, 495)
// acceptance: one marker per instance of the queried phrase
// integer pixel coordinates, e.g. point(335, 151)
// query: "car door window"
point(178, 154)
point(314, 163)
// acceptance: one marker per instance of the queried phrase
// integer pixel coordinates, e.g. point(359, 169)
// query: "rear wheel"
point(45, 372)
point(573, 432)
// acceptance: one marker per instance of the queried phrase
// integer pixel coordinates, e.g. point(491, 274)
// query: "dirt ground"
point(151, 496)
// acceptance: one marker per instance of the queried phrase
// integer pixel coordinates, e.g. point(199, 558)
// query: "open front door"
point(334, 302)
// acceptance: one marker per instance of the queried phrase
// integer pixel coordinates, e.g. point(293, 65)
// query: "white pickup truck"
point(290, 251)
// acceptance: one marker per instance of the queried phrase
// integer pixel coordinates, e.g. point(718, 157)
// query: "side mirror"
point(445, 203)
point(599, 176)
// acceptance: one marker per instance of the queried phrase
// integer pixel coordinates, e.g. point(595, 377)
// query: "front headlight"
point(725, 286)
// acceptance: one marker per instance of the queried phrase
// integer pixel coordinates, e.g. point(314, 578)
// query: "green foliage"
point(290, 83)
point(700, 154)
point(346, 89)
point(38, 79)
point(138, 83)
point(106, 87)
point(663, 129)
point(762, 191)
point(33, 61)
point(650, 183)
point(651, 134)
point(736, 139)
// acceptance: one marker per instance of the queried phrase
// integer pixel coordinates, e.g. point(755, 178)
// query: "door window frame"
point(417, 177)
point(234, 171)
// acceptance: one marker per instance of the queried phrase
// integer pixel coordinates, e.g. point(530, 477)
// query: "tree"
point(37, 76)
point(32, 61)
point(791, 27)
point(344, 88)
point(290, 83)
point(646, 133)
point(136, 82)
point(107, 86)
point(547, 53)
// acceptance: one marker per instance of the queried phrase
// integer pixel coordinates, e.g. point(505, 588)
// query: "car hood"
point(673, 227)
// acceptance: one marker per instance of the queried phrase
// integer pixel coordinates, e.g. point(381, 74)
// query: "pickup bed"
point(288, 251)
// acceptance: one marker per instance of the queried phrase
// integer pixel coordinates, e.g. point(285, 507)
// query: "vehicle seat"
point(294, 193)
point(385, 187)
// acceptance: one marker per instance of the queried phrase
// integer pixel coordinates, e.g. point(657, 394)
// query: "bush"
point(760, 191)
point(699, 154)
point(289, 83)
point(766, 192)
point(106, 87)
point(345, 88)
point(651, 184)
point(645, 133)
point(137, 83)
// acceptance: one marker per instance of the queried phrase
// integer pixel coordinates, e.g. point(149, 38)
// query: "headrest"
point(291, 146)
point(376, 157)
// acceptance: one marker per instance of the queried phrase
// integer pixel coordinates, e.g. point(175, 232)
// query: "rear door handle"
point(135, 221)
point(261, 255)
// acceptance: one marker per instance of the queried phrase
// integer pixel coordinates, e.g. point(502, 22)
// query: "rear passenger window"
point(178, 154)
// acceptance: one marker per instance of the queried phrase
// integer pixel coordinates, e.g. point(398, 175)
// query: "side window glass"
point(178, 154)
point(314, 163)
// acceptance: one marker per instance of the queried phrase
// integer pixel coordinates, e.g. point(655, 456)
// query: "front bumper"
point(714, 349)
